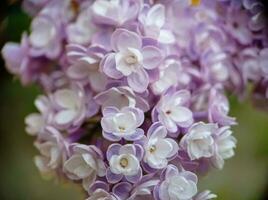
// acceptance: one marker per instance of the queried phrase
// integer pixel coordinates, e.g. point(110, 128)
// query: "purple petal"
point(13, 55)
point(122, 190)
point(171, 170)
point(152, 57)
point(137, 135)
point(139, 151)
point(138, 81)
point(109, 110)
point(135, 178)
point(98, 185)
point(109, 67)
point(113, 178)
point(113, 150)
point(122, 39)
point(157, 130)
point(79, 71)
point(110, 136)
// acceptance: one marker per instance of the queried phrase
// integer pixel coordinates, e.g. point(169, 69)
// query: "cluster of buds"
point(134, 102)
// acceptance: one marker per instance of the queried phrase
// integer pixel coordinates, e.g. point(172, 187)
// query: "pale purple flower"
point(124, 161)
point(82, 30)
point(144, 188)
point(99, 190)
point(158, 148)
point(237, 26)
point(84, 66)
point(36, 122)
point(45, 37)
point(257, 9)
point(53, 151)
point(199, 141)
point(85, 163)
point(153, 20)
point(115, 12)
point(122, 124)
point(20, 63)
point(172, 110)
point(176, 185)
point(172, 74)
point(120, 97)
point(224, 146)
point(219, 108)
point(70, 108)
point(131, 59)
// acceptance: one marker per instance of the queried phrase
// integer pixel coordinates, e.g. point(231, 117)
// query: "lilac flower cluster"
point(135, 91)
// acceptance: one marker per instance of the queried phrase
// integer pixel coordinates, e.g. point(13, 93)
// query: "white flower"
point(85, 164)
point(178, 185)
point(199, 140)
point(43, 33)
point(120, 97)
point(36, 122)
point(225, 144)
point(122, 123)
point(153, 23)
point(70, 107)
point(126, 164)
point(179, 188)
point(158, 148)
point(128, 60)
point(172, 110)
point(52, 148)
point(171, 74)
point(82, 30)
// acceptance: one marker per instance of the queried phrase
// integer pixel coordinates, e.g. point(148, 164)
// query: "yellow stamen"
point(196, 2)
point(152, 149)
point(123, 162)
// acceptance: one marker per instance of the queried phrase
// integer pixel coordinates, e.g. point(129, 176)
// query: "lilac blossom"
point(53, 151)
point(124, 123)
point(172, 110)
point(85, 163)
point(178, 185)
point(158, 148)
point(45, 37)
point(224, 146)
point(115, 12)
point(130, 59)
point(134, 94)
point(84, 66)
point(199, 140)
point(120, 97)
point(124, 161)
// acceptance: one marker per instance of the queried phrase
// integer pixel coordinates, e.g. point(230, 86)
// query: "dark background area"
point(245, 177)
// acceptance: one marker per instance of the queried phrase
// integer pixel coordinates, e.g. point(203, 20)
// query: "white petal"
point(65, 117)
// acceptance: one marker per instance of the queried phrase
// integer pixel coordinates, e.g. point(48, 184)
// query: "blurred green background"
point(245, 177)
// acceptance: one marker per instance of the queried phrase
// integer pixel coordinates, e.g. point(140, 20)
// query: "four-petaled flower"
point(131, 59)
point(124, 161)
point(158, 148)
point(122, 124)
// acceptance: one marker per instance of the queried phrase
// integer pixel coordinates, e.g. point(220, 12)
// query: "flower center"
point(124, 162)
point(168, 112)
point(121, 128)
point(131, 59)
point(152, 149)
